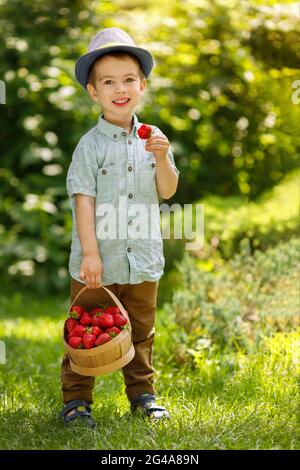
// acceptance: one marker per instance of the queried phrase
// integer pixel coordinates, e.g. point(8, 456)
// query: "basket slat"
point(106, 369)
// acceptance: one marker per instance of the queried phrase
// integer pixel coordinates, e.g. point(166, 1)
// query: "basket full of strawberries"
point(98, 341)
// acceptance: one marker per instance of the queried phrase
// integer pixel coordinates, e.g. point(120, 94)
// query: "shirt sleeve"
point(170, 153)
point(82, 173)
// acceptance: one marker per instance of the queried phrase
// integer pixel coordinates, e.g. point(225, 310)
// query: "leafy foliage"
point(272, 217)
point(221, 91)
point(235, 304)
point(225, 104)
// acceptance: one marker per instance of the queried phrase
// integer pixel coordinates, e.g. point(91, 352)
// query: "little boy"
point(113, 167)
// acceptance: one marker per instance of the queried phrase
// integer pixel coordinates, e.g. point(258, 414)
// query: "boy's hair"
point(120, 55)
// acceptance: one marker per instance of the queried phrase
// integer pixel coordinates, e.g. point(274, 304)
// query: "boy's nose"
point(120, 87)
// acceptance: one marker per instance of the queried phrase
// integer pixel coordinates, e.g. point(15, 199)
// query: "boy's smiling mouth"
point(121, 102)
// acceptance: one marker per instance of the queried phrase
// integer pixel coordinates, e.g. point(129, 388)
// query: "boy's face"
point(122, 80)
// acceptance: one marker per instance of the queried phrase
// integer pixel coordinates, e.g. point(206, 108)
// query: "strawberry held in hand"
point(144, 131)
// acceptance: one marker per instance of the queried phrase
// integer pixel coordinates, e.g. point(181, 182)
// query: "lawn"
point(230, 401)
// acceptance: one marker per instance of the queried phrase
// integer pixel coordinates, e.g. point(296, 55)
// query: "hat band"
point(108, 44)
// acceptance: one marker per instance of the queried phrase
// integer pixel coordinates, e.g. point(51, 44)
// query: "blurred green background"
point(225, 89)
point(221, 90)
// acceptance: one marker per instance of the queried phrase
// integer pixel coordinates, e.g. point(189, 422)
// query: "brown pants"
point(140, 302)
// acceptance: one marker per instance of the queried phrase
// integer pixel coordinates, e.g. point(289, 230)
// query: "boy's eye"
point(111, 80)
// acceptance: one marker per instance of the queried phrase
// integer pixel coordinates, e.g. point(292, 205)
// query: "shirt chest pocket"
point(107, 183)
point(146, 178)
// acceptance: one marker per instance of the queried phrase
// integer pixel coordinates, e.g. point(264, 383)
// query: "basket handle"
point(115, 299)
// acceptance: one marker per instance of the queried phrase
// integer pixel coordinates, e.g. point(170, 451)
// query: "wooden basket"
point(107, 357)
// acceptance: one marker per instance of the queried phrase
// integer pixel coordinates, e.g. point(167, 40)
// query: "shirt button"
point(129, 250)
point(115, 136)
point(124, 134)
point(130, 168)
point(130, 195)
point(130, 222)
point(130, 142)
point(103, 172)
point(153, 165)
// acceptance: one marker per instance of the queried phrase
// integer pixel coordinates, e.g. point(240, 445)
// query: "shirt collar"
point(113, 131)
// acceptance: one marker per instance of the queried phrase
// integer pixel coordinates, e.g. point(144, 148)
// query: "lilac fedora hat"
point(108, 40)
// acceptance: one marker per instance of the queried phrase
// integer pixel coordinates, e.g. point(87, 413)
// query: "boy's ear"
point(92, 92)
point(143, 84)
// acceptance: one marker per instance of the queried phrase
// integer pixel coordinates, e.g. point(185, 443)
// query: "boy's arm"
point(166, 173)
point(91, 267)
point(166, 178)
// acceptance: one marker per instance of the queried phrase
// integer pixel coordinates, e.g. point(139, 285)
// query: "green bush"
point(220, 90)
point(272, 218)
point(234, 304)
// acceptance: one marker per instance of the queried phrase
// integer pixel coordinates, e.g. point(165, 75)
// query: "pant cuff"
point(70, 396)
point(134, 392)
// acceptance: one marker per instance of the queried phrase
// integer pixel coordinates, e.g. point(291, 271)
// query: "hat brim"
point(84, 62)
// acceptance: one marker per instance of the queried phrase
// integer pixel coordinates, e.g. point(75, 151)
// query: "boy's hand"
point(91, 270)
point(158, 145)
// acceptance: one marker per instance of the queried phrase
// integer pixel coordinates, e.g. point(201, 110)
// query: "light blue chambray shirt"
point(115, 168)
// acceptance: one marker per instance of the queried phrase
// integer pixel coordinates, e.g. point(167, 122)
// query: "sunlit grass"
point(235, 401)
point(35, 330)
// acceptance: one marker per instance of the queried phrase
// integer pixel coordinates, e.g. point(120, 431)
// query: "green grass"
point(230, 402)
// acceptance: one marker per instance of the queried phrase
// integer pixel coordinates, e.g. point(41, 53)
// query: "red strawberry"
point(144, 131)
point(96, 319)
point(76, 311)
point(88, 341)
point(120, 320)
point(86, 319)
point(113, 331)
point(79, 330)
point(103, 338)
point(106, 320)
point(95, 310)
point(70, 324)
point(94, 330)
point(75, 342)
point(112, 310)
